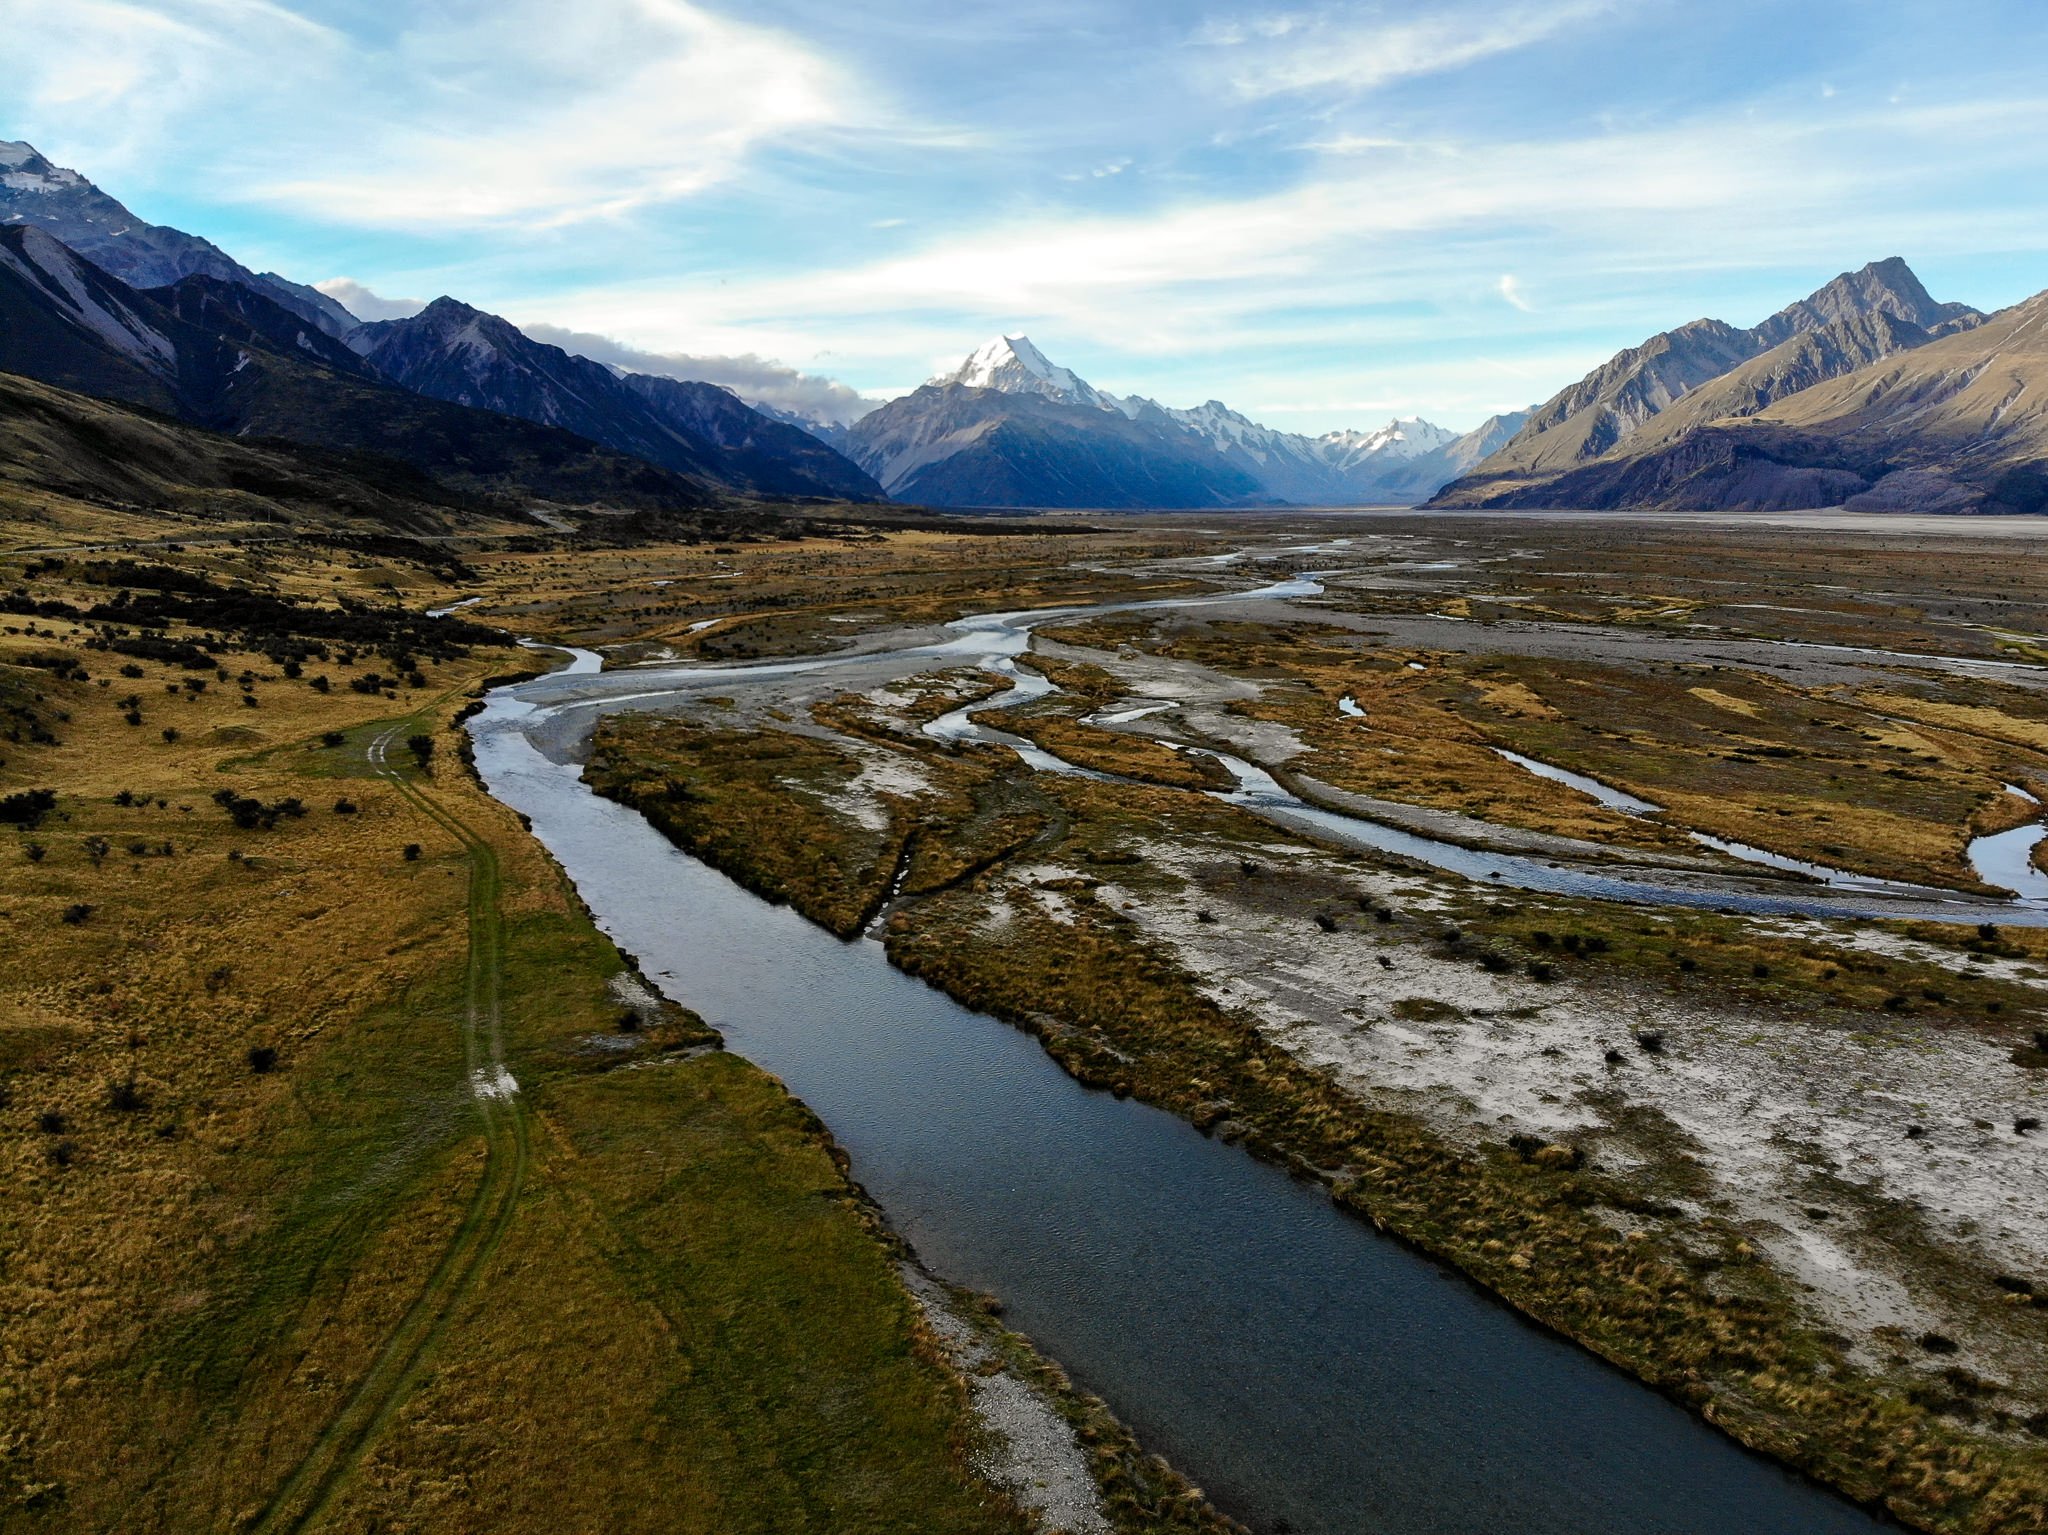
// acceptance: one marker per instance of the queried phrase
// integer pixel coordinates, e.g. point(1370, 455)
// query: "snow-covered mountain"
point(1404, 460)
point(1013, 365)
point(143, 255)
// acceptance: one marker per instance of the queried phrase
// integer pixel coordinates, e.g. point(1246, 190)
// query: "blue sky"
point(1324, 214)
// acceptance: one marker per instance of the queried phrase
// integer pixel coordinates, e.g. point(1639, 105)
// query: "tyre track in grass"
point(310, 1489)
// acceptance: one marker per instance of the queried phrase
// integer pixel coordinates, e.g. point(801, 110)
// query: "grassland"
point(284, 1249)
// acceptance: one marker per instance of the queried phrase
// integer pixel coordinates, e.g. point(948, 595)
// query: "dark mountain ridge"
point(224, 357)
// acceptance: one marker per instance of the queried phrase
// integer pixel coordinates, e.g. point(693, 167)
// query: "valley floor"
point(358, 1182)
point(1784, 1168)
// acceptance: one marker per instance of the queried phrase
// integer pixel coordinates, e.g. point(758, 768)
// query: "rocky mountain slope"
point(950, 444)
point(1650, 398)
point(450, 351)
point(143, 255)
point(224, 357)
point(1957, 423)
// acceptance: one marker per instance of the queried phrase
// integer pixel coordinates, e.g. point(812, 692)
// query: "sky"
point(1323, 214)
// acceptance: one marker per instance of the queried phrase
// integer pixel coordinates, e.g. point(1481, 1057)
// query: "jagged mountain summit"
point(64, 204)
point(1645, 399)
point(966, 438)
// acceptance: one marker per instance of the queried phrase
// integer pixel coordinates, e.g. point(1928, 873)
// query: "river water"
point(1311, 1374)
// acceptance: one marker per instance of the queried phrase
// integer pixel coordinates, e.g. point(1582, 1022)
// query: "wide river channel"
point(1310, 1374)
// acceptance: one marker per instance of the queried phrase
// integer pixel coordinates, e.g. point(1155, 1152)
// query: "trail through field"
point(310, 1489)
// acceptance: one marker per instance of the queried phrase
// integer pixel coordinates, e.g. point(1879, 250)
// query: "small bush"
point(332, 738)
point(50, 1122)
point(124, 1097)
point(28, 808)
point(412, 852)
point(344, 806)
point(77, 912)
point(262, 1059)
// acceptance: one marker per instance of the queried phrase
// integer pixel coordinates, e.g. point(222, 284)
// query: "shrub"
point(35, 852)
point(1651, 1041)
point(27, 808)
point(344, 807)
point(50, 1122)
point(332, 738)
point(77, 912)
point(422, 748)
point(262, 1059)
point(124, 1097)
point(412, 852)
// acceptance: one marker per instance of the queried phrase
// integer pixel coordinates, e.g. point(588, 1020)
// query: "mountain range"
point(1010, 428)
point(168, 321)
point(1868, 393)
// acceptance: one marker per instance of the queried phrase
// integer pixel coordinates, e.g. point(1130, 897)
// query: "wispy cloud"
point(1338, 50)
point(1510, 288)
point(612, 104)
point(523, 112)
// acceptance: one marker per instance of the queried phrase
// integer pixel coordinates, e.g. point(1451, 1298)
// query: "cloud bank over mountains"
point(758, 380)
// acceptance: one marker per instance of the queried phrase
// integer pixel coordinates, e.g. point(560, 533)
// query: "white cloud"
point(757, 380)
point(547, 114)
point(1510, 288)
point(108, 74)
point(365, 305)
point(467, 114)
point(1284, 55)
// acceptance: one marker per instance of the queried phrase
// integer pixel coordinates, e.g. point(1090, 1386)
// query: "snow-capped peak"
point(23, 169)
point(1014, 366)
point(1398, 439)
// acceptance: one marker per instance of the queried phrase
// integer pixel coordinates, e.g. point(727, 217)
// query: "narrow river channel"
point(1311, 1374)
